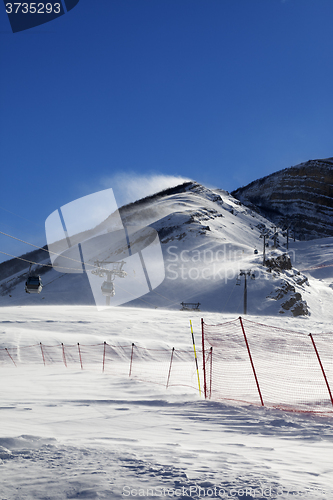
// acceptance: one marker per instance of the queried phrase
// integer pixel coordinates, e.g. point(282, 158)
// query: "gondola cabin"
point(108, 289)
point(33, 284)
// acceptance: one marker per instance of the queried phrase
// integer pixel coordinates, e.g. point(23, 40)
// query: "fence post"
point(211, 371)
point(253, 369)
point(322, 368)
point(131, 362)
point(203, 357)
point(104, 355)
point(10, 355)
point(63, 354)
point(41, 348)
point(195, 358)
point(78, 345)
point(173, 350)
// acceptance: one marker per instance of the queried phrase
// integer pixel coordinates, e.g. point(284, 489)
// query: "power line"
point(20, 216)
point(54, 253)
point(33, 262)
point(44, 250)
point(62, 267)
point(50, 265)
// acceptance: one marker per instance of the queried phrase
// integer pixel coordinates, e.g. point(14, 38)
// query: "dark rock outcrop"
point(300, 197)
point(292, 299)
point(279, 263)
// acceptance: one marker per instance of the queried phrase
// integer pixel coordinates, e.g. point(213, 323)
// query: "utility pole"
point(246, 274)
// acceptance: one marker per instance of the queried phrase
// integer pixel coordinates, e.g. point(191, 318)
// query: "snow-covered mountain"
point(207, 237)
point(300, 197)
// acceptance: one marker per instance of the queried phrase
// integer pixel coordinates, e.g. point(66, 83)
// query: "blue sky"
point(123, 93)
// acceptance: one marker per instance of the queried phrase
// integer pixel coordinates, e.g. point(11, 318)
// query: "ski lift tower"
point(108, 288)
point(246, 274)
point(264, 235)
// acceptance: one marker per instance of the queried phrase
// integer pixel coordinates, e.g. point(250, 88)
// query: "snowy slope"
point(68, 433)
point(207, 237)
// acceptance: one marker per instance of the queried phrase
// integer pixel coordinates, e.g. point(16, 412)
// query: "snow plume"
point(130, 187)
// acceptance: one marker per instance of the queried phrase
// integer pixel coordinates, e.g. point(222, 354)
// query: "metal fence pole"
point(78, 345)
point(322, 368)
point(211, 372)
point(253, 369)
point(203, 356)
point(63, 354)
point(10, 355)
point(41, 348)
point(131, 362)
point(173, 350)
point(104, 355)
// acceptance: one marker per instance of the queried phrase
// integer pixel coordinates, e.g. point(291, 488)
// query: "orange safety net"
point(259, 364)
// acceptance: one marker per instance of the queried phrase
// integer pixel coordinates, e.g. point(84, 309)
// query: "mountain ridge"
point(300, 197)
point(207, 237)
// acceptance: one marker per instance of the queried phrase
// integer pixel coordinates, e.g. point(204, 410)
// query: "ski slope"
point(68, 433)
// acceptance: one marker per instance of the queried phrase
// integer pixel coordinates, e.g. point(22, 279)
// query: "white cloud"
point(131, 187)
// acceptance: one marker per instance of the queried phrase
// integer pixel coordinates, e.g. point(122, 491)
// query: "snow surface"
point(68, 433)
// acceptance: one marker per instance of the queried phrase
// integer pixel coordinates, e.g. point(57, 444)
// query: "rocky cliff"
point(300, 197)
